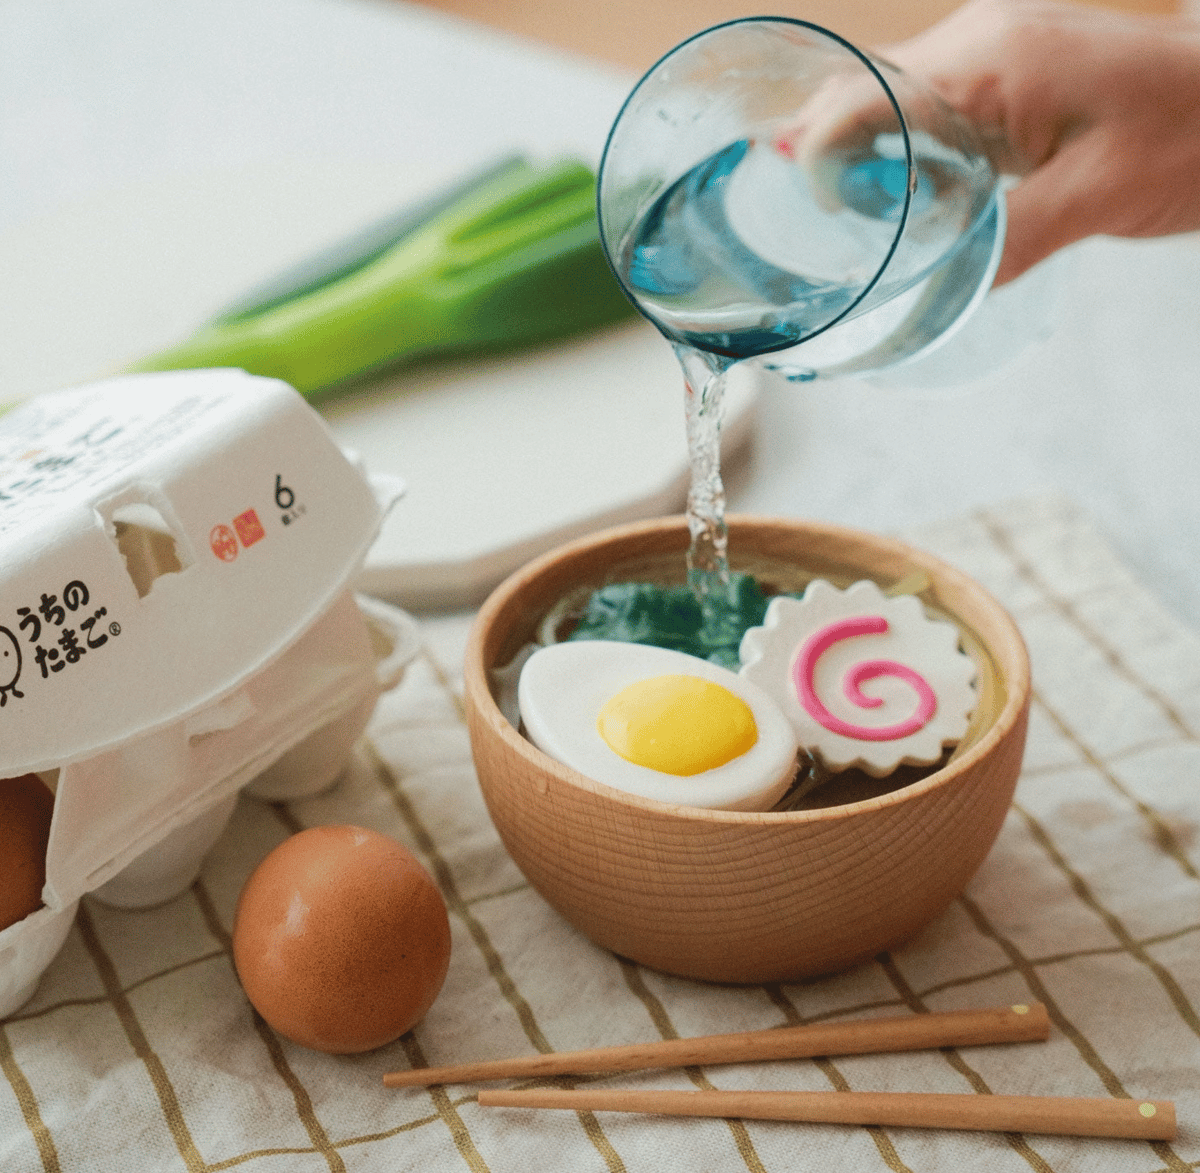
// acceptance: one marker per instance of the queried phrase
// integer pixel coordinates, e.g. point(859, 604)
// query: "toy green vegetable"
point(510, 257)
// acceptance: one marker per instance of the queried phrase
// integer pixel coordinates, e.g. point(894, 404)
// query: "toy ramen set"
point(653, 797)
point(176, 625)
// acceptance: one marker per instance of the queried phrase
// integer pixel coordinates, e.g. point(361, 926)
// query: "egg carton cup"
point(177, 625)
point(297, 724)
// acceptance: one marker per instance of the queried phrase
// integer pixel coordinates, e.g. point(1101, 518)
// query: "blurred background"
point(605, 30)
point(162, 157)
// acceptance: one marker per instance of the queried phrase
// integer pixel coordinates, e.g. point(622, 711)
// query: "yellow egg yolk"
point(677, 724)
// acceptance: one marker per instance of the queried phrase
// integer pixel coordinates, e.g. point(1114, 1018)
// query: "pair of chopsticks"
point(1065, 1116)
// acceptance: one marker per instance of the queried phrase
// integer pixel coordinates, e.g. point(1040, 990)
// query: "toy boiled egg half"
point(657, 723)
point(867, 680)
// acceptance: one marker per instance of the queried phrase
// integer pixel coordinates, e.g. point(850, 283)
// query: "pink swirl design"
point(820, 642)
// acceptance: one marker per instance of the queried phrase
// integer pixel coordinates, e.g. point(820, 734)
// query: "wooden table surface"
point(635, 34)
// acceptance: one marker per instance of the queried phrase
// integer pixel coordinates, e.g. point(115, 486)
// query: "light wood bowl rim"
point(1009, 653)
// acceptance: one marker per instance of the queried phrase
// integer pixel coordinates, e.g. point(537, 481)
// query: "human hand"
point(1097, 111)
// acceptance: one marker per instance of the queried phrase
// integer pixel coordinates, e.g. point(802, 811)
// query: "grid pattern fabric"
point(139, 1051)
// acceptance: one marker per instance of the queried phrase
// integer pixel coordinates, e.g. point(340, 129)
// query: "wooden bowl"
point(734, 896)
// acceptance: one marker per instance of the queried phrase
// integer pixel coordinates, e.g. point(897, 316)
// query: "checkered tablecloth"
point(140, 1053)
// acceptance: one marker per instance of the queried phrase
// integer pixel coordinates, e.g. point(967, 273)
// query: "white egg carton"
point(177, 624)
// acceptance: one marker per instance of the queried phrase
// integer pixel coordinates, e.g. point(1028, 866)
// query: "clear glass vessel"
point(769, 189)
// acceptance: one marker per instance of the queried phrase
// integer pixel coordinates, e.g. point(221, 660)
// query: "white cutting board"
point(506, 458)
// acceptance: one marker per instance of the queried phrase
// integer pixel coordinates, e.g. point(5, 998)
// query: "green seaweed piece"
point(671, 617)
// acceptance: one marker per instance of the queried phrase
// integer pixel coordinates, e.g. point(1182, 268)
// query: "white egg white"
point(563, 688)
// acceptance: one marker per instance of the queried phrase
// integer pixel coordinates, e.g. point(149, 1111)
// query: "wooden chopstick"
point(1060, 1116)
point(911, 1032)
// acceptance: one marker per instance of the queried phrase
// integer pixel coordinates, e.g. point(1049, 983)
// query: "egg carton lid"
point(162, 538)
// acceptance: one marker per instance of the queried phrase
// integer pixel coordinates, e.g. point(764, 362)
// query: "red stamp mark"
point(249, 528)
point(223, 543)
point(785, 146)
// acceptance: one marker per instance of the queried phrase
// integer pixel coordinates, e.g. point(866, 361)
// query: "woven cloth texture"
point(139, 1051)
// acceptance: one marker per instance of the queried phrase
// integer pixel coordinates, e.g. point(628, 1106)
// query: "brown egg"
point(26, 807)
point(341, 939)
